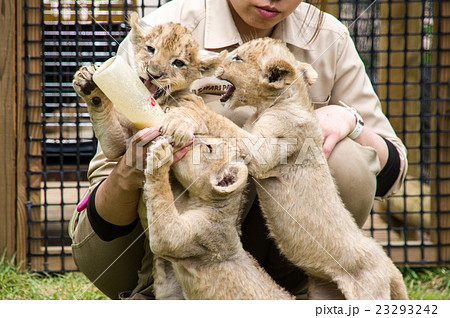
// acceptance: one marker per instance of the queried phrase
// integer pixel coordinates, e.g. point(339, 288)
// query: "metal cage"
point(404, 45)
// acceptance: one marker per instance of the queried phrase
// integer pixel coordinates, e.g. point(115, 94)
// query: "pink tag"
point(83, 204)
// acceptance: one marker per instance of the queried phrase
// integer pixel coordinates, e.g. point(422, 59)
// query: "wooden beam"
point(21, 194)
point(7, 128)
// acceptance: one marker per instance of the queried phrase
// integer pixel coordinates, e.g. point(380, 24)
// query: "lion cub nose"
point(155, 77)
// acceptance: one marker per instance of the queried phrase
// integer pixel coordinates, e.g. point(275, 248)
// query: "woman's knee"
point(354, 169)
point(111, 266)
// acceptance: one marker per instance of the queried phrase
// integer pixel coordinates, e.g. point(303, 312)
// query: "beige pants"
point(124, 264)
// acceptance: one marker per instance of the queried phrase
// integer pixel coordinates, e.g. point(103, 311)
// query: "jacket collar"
point(220, 31)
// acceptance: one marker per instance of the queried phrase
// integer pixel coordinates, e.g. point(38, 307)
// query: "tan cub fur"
point(202, 241)
point(167, 57)
point(301, 205)
point(111, 128)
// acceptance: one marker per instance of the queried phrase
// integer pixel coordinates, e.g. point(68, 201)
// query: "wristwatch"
point(359, 121)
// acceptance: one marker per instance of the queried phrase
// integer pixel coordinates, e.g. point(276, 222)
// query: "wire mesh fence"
point(402, 43)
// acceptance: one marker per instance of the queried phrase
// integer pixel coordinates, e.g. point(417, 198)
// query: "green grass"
point(422, 283)
point(32, 286)
point(432, 283)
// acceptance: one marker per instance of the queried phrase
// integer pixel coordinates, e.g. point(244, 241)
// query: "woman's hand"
point(134, 161)
point(132, 165)
point(336, 123)
point(118, 197)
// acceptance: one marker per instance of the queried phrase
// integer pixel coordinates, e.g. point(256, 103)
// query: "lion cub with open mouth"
point(167, 59)
point(298, 197)
point(282, 146)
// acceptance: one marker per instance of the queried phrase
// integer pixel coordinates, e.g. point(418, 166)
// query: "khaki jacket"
point(332, 54)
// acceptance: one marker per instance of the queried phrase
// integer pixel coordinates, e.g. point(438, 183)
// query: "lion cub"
point(203, 241)
point(167, 60)
point(282, 144)
point(299, 200)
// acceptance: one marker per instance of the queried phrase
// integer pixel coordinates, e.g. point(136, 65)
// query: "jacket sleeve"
point(100, 168)
point(353, 87)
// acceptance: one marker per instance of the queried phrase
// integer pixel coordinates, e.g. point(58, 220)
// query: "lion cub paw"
point(177, 129)
point(85, 86)
point(159, 157)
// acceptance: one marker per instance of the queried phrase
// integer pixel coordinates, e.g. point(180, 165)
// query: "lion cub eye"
point(151, 49)
point(236, 57)
point(178, 63)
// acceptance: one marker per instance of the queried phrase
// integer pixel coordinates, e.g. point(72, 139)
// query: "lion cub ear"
point(136, 25)
point(309, 74)
point(210, 61)
point(278, 73)
point(229, 179)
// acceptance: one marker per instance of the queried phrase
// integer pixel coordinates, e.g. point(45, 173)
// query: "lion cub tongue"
point(151, 87)
point(228, 94)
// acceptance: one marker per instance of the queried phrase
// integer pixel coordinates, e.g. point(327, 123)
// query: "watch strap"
point(359, 122)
